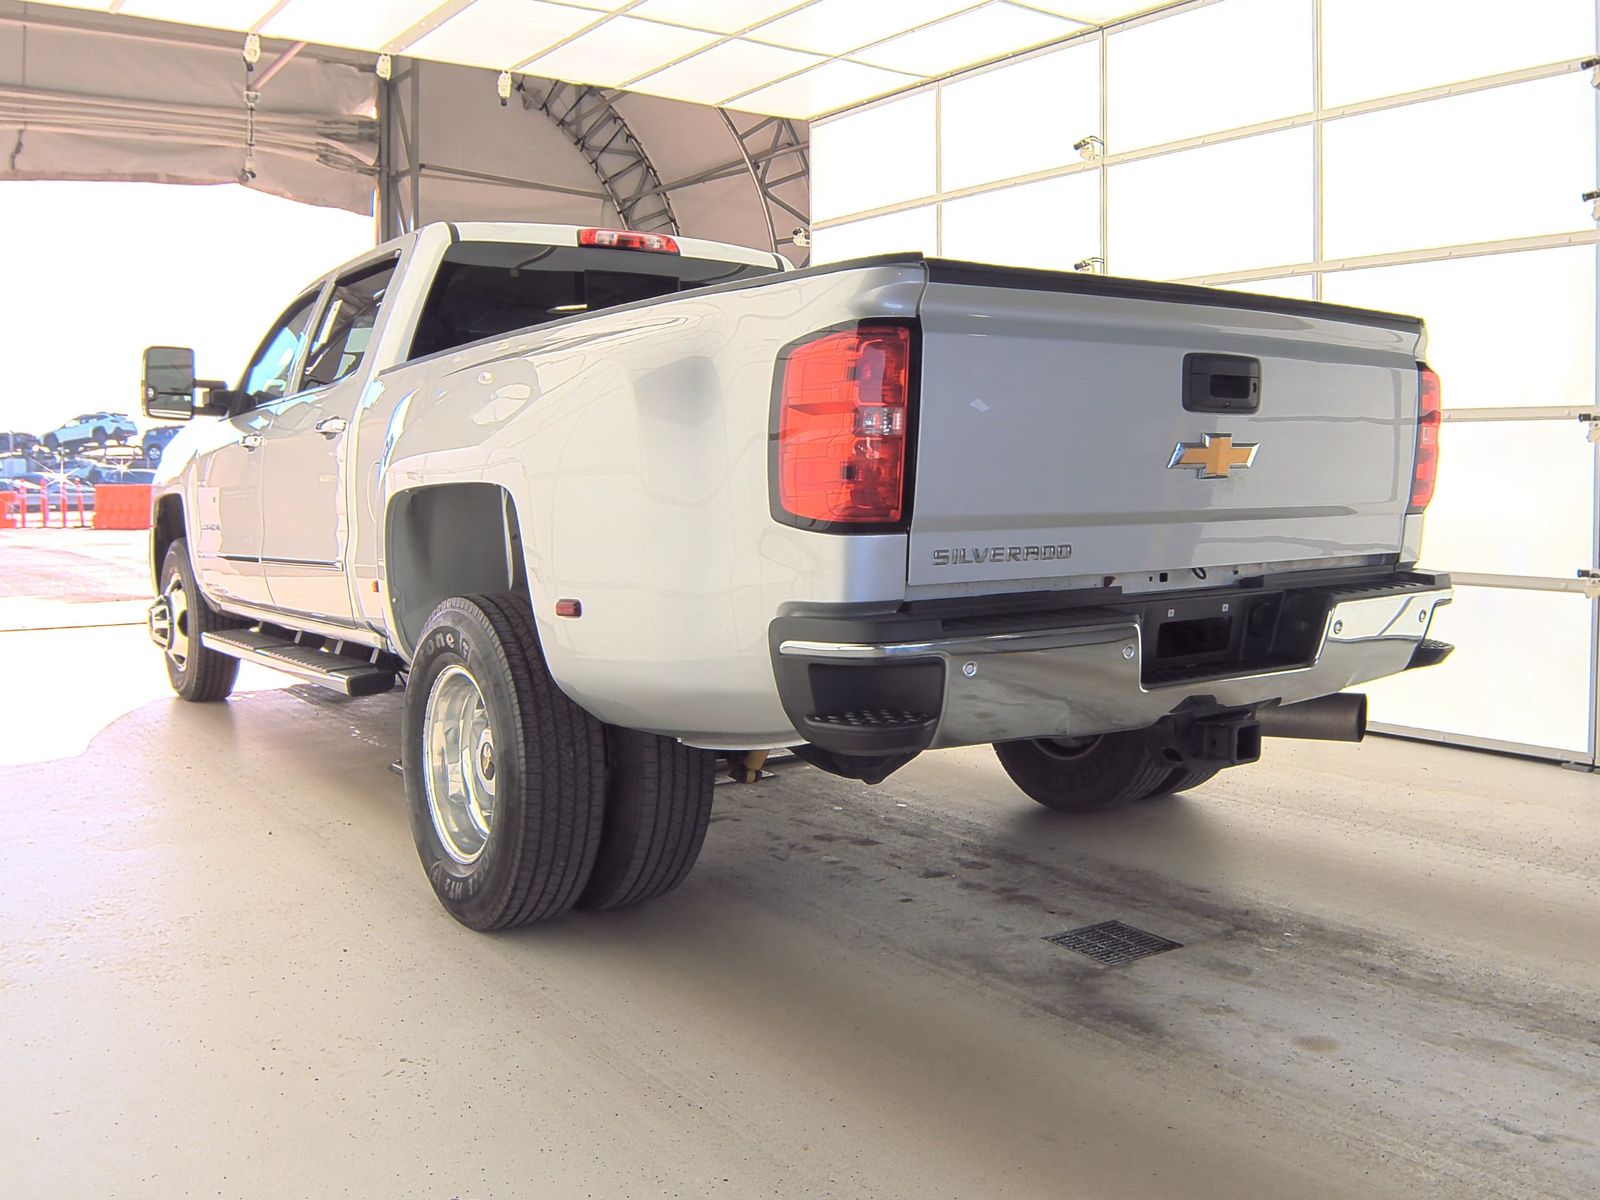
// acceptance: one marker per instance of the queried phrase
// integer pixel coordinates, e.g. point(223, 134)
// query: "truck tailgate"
point(1052, 410)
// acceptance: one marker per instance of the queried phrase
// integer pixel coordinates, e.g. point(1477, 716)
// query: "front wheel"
point(1078, 775)
point(179, 622)
point(504, 776)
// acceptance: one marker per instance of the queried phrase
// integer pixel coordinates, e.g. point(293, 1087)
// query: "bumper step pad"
point(872, 718)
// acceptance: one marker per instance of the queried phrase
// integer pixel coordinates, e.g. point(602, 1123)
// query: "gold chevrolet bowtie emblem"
point(1214, 456)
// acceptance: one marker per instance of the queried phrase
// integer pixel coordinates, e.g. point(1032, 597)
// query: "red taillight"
point(627, 239)
point(1430, 415)
point(842, 426)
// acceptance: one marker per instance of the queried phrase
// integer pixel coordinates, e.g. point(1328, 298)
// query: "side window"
point(267, 378)
point(347, 324)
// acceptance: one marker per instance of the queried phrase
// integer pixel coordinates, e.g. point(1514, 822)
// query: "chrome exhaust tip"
point(1337, 718)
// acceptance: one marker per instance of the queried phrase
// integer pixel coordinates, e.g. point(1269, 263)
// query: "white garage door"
point(1427, 156)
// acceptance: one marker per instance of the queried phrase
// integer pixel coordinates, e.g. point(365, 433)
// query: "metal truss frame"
point(399, 167)
point(591, 122)
point(777, 156)
point(774, 152)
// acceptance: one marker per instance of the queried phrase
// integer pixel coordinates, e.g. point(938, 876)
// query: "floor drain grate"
point(1113, 943)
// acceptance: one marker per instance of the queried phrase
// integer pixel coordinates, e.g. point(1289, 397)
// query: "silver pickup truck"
point(612, 505)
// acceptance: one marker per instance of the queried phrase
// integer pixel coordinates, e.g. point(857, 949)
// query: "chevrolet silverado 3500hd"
point(613, 503)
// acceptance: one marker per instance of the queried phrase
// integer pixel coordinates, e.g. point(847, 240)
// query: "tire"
point(529, 858)
point(50, 441)
point(658, 806)
point(1083, 774)
point(197, 674)
point(1181, 779)
point(99, 435)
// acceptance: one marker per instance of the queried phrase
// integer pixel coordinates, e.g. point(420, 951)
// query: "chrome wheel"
point(458, 764)
point(1067, 749)
point(169, 622)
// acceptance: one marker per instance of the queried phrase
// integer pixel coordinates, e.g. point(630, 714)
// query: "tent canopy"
point(789, 58)
point(85, 95)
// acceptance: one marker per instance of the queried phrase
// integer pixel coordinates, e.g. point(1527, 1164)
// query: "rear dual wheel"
point(522, 804)
point(1079, 775)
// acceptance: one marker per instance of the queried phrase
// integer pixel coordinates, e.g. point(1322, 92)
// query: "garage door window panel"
point(1049, 225)
point(1478, 307)
point(1224, 66)
point(1427, 43)
point(871, 159)
point(1500, 684)
point(913, 230)
point(1017, 120)
point(1509, 162)
point(1215, 209)
point(1514, 498)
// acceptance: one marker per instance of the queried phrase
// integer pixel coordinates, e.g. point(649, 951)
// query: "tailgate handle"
point(1221, 383)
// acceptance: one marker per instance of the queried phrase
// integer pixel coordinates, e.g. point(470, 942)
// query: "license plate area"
point(1202, 636)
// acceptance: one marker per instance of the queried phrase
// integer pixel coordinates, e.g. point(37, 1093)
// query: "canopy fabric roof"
point(87, 104)
point(96, 96)
point(791, 58)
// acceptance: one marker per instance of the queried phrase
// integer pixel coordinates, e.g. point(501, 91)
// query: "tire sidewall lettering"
point(447, 639)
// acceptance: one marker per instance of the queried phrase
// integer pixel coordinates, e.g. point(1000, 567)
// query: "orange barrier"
point(11, 510)
point(122, 506)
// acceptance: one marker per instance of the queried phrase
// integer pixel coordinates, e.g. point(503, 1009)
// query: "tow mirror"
point(169, 383)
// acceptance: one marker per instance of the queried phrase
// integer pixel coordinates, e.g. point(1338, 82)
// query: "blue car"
point(155, 441)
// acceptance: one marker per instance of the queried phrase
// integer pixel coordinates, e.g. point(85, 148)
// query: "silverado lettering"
point(961, 555)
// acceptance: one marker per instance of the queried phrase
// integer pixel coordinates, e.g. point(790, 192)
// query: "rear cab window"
point(488, 289)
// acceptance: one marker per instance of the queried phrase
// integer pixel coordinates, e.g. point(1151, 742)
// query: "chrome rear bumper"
point(1089, 678)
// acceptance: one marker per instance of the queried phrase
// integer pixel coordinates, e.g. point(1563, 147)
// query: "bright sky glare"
point(92, 273)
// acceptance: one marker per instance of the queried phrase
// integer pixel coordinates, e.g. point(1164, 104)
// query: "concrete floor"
point(222, 973)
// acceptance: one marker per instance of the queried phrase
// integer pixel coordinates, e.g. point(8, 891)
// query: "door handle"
point(251, 441)
point(331, 426)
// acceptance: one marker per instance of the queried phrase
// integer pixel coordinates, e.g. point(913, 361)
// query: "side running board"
point(360, 672)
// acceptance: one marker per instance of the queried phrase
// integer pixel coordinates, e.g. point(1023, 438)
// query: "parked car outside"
point(52, 488)
point(94, 428)
point(13, 465)
point(99, 474)
point(74, 493)
point(29, 491)
point(13, 442)
point(155, 441)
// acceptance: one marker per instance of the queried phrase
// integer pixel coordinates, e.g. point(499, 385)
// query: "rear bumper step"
point(873, 730)
point(347, 673)
point(1080, 676)
point(1430, 652)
